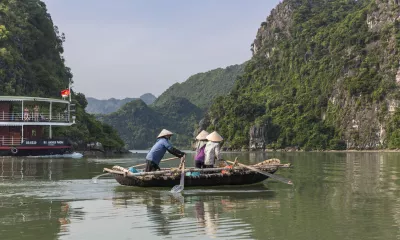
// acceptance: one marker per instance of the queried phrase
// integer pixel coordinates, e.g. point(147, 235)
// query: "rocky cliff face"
point(363, 122)
point(324, 74)
point(276, 26)
point(257, 137)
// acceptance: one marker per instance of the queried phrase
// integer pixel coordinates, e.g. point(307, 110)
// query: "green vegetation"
point(394, 131)
point(139, 124)
point(329, 53)
point(31, 64)
point(178, 109)
point(202, 88)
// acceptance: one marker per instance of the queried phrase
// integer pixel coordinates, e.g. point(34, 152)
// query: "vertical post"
point(22, 135)
point(69, 89)
point(22, 112)
point(50, 130)
point(69, 111)
point(50, 111)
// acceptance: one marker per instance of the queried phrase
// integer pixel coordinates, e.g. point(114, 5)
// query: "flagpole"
point(69, 89)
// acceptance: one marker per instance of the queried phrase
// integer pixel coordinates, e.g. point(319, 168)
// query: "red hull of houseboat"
point(37, 148)
point(24, 122)
point(32, 151)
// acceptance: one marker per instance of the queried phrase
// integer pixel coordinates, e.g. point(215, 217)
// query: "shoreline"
point(315, 151)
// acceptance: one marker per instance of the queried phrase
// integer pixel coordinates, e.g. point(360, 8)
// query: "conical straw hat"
point(202, 135)
point(215, 137)
point(164, 132)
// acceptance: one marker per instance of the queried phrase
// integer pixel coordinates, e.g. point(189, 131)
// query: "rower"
point(157, 152)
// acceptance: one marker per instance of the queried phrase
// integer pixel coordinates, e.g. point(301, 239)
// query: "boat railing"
point(10, 141)
point(34, 117)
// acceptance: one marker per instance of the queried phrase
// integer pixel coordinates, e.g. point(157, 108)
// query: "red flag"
point(65, 92)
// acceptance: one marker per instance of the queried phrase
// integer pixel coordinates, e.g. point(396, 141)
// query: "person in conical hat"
point(201, 144)
point(159, 149)
point(202, 135)
point(213, 149)
point(214, 137)
point(165, 133)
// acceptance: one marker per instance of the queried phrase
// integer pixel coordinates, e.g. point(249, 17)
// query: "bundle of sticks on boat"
point(265, 165)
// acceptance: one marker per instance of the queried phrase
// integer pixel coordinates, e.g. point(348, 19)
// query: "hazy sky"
point(125, 48)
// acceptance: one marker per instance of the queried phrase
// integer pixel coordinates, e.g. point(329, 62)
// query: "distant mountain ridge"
point(107, 106)
point(139, 124)
point(178, 109)
point(202, 88)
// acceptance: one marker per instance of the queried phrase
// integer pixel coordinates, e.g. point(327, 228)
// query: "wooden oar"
point(274, 176)
point(179, 188)
point(139, 165)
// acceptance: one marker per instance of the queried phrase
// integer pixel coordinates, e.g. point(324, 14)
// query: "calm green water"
point(335, 196)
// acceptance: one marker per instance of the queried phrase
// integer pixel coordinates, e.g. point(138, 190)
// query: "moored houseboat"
point(26, 125)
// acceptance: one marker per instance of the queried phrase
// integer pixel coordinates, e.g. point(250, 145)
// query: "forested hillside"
point(179, 109)
point(322, 76)
point(139, 124)
point(111, 105)
point(31, 64)
point(202, 88)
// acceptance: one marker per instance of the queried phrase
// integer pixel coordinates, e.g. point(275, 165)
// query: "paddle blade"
point(177, 189)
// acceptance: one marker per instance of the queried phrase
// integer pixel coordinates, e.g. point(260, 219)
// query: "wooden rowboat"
point(194, 177)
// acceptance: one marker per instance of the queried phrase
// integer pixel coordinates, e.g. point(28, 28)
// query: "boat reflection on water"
point(32, 168)
point(64, 219)
point(222, 213)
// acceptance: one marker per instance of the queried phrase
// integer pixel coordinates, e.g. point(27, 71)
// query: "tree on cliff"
point(31, 64)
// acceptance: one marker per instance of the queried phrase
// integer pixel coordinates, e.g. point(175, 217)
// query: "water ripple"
point(335, 196)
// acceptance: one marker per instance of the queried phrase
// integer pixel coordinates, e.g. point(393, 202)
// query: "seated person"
point(212, 150)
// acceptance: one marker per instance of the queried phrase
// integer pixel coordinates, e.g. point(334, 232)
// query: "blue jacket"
point(158, 150)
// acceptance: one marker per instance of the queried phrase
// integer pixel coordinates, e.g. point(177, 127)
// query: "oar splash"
point(179, 188)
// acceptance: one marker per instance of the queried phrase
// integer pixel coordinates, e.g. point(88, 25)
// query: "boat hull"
point(35, 151)
point(38, 147)
point(215, 179)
